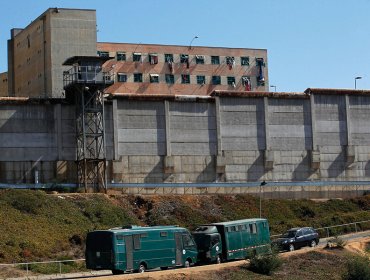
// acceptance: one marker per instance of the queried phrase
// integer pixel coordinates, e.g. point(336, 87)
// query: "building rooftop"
point(336, 91)
point(180, 97)
point(30, 100)
point(259, 94)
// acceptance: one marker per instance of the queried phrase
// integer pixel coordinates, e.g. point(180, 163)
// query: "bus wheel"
point(187, 264)
point(116, 271)
point(141, 268)
point(218, 259)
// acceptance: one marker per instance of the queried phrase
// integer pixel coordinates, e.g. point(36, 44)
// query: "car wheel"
point(187, 264)
point(141, 268)
point(218, 259)
point(291, 248)
point(313, 243)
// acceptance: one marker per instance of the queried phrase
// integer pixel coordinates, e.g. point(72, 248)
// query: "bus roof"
point(237, 222)
point(140, 229)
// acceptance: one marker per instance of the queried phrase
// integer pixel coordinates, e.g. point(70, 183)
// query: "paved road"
point(346, 237)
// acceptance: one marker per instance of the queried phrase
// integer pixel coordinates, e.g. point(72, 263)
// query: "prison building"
point(184, 70)
point(36, 54)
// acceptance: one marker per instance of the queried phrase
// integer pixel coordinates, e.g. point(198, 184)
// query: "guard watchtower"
point(85, 83)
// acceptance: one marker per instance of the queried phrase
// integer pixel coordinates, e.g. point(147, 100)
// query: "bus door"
point(178, 248)
point(129, 253)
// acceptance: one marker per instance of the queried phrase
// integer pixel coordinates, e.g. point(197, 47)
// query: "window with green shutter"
point(168, 57)
point(103, 54)
point(170, 79)
point(215, 59)
point(154, 78)
point(121, 56)
point(185, 79)
point(216, 80)
point(231, 81)
point(184, 58)
point(201, 80)
point(138, 77)
point(199, 59)
point(244, 60)
point(121, 77)
point(136, 57)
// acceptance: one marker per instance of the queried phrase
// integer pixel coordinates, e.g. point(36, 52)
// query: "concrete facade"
point(226, 137)
point(37, 52)
point(4, 84)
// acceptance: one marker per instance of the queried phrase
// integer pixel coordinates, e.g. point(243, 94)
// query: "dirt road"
point(356, 245)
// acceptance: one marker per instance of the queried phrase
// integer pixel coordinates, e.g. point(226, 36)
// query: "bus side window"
point(253, 228)
point(137, 243)
point(247, 228)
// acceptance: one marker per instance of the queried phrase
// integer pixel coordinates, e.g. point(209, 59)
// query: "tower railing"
point(87, 75)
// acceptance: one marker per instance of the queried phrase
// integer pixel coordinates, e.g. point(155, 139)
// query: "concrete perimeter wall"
point(215, 139)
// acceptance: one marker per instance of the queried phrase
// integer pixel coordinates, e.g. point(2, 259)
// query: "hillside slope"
point(39, 226)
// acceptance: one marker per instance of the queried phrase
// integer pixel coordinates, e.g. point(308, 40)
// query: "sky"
point(310, 43)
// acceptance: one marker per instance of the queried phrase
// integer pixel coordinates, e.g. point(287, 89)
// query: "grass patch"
point(357, 268)
point(367, 248)
point(308, 266)
point(55, 268)
point(36, 226)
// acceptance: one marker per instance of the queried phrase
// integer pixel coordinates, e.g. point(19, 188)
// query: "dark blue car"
point(296, 238)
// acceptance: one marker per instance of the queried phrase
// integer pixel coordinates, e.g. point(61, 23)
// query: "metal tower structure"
point(84, 84)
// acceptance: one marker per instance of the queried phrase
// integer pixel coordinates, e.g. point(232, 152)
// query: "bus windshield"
point(203, 241)
point(99, 241)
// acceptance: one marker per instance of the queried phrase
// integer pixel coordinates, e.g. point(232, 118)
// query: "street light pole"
point(273, 87)
point(262, 184)
point(357, 78)
point(195, 37)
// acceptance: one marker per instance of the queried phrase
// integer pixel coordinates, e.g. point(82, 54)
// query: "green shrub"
point(55, 268)
point(367, 247)
point(357, 268)
point(265, 264)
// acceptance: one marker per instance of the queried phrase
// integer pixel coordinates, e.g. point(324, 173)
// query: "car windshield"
point(289, 233)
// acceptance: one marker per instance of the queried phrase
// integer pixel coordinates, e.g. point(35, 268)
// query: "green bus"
point(232, 240)
point(139, 248)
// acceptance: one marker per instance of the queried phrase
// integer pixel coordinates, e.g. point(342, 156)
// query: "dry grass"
point(36, 226)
